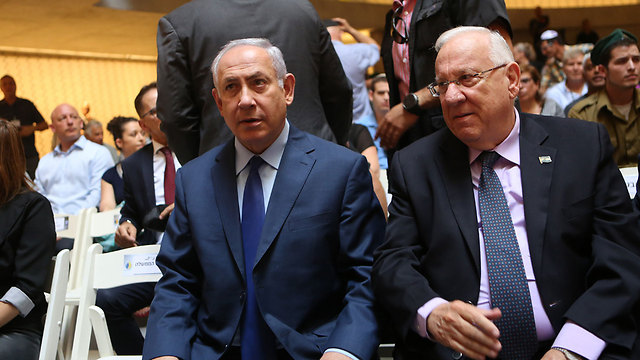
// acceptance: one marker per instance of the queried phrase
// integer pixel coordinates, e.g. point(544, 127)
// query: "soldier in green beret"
point(617, 106)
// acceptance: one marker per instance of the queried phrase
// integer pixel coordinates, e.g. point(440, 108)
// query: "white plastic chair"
point(103, 271)
point(53, 322)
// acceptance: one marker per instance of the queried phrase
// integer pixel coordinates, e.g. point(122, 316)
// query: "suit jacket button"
point(456, 355)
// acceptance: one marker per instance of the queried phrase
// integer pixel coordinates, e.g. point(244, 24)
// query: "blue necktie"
point(257, 340)
point(507, 279)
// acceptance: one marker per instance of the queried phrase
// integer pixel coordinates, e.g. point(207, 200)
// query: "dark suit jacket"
point(312, 265)
point(580, 225)
point(27, 242)
point(139, 195)
point(191, 36)
point(429, 20)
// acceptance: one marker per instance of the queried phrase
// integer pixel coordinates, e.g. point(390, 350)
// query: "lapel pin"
point(544, 159)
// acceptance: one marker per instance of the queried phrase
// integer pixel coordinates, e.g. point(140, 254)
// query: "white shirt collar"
point(272, 155)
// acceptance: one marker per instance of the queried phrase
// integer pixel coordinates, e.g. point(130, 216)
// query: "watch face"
point(410, 102)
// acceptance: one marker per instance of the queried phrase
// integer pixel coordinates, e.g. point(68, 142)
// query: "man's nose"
point(246, 98)
point(453, 94)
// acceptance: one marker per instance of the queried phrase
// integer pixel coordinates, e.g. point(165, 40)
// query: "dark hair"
point(116, 126)
point(138, 101)
point(13, 166)
point(535, 76)
point(606, 56)
point(7, 76)
point(376, 79)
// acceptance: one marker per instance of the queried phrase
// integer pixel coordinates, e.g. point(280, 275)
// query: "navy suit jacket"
point(139, 194)
point(581, 230)
point(312, 270)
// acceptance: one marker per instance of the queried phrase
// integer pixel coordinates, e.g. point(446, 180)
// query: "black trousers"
point(119, 304)
point(20, 344)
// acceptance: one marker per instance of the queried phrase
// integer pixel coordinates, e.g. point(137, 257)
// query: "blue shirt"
point(562, 95)
point(71, 179)
point(369, 121)
point(355, 59)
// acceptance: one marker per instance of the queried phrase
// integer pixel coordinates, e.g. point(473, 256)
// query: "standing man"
point(265, 255)
point(517, 237)
point(617, 106)
point(411, 29)
point(190, 36)
point(24, 114)
point(149, 185)
point(355, 59)
point(379, 97)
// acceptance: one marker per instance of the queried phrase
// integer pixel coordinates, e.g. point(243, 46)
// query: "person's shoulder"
point(582, 106)
point(137, 157)
point(29, 199)
point(321, 147)
point(557, 125)
point(206, 159)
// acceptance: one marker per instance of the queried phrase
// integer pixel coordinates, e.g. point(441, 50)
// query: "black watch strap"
point(411, 103)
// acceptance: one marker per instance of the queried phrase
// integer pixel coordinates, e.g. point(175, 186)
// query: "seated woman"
point(129, 138)
point(530, 99)
point(27, 241)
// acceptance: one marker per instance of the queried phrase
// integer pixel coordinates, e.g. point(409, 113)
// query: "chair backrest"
point(103, 223)
point(68, 226)
point(80, 245)
point(630, 175)
point(121, 267)
point(53, 322)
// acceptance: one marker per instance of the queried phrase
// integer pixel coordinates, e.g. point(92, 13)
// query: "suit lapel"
point(147, 176)
point(454, 162)
point(295, 166)
point(223, 173)
point(536, 169)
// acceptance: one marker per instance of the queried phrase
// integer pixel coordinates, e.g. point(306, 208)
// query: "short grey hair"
point(499, 51)
point(572, 53)
point(276, 57)
point(90, 125)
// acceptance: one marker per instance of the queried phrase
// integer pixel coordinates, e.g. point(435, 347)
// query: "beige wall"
point(108, 85)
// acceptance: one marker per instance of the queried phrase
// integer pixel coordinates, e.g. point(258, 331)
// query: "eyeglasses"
point(466, 80)
point(153, 112)
point(395, 33)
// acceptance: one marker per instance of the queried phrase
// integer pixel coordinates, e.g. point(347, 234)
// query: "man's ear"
point(53, 128)
point(216, 97)
point(370, 95)
point(289, 87)
point(513, 74)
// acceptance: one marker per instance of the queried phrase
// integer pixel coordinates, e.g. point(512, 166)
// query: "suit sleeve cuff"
point(20, 300)
point(420, 325)
point(580, 341)
point(343, 352)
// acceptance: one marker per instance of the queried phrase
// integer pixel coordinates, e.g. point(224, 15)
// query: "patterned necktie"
point(257, 340)
point(169, 177)
point(507, 279)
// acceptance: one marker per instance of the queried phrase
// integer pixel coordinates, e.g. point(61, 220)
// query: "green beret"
point(604, 44)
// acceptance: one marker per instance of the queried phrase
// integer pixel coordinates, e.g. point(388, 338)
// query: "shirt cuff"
point(340, 351)
point(20, 300)
point(578, 340)
point(420, 325)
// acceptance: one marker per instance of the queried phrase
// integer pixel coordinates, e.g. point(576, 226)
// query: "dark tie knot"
point(255, 163)
point(489, 158)
point(166, 151)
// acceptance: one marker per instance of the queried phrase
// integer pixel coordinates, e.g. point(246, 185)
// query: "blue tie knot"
point(255, 163)
point(489, 158)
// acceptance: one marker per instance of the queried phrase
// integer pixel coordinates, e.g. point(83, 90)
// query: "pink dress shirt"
point(400, 52)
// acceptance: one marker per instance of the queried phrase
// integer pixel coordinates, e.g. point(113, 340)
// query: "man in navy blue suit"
point(301, 284)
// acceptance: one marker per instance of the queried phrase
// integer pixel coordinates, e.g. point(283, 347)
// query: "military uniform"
point(624, 134)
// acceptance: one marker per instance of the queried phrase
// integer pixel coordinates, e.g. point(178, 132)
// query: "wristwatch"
point(570, 355)
point(411, 103)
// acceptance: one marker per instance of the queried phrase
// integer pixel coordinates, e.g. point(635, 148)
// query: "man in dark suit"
point(191, 36)
point(552, 215)
point(269, 249)
point(148, 183)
